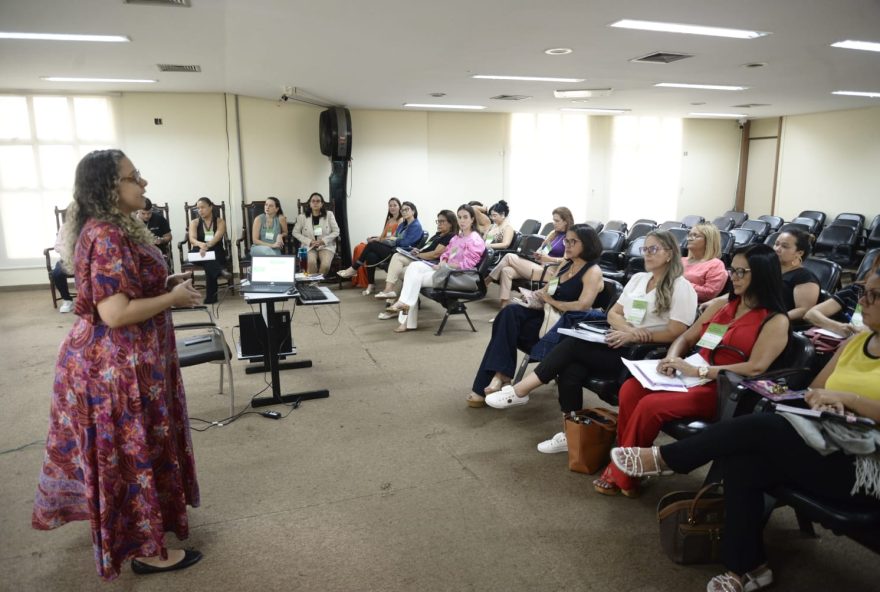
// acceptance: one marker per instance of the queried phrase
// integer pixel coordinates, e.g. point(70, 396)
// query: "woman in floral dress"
point(119, 452)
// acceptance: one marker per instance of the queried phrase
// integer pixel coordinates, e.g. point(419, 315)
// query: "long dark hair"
point(278, 203)
point(591, 246)
point(470, 210)
point(765, 288)
point(803, 240)
point(453, 220)
point(501, 207)
point(413, 207)
point(388, 215)
point(309, 206)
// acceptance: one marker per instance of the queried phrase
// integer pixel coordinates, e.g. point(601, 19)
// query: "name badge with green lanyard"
point(317, 231)
point(637, 312)
point(856, 319)
point(713, 336)
point(270, 235)
point(209, 236)
point(552, 285)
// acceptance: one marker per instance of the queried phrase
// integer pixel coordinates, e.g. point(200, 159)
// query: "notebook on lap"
point(271, 275)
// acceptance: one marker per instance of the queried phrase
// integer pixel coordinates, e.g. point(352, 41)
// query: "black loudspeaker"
point(252, 329)
point(334, 133)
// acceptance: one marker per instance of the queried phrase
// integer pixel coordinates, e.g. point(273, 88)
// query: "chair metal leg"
point(464, 311)
point(442, 323)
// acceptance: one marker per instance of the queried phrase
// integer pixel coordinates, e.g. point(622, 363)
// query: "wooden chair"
point(191, 212)
point(249, 213)
point(302, 207)
point(60, 215)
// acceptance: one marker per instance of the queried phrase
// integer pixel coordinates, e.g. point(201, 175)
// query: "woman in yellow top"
point(392, 218)
point(765, 450)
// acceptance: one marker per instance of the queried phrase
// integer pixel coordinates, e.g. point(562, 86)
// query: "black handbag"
point(691, 525)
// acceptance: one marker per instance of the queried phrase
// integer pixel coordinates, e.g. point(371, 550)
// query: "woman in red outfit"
point(119, 453)
point(753, 330)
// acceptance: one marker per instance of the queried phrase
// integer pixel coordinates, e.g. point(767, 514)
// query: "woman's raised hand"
point(185, 294)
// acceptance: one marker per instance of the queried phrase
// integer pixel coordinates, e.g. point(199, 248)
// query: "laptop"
point(271, 275)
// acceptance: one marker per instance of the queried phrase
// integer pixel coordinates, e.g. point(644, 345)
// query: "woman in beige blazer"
point(317, 230)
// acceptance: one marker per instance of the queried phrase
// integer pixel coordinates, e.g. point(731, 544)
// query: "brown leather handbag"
point(590, 434)
point(691, 525)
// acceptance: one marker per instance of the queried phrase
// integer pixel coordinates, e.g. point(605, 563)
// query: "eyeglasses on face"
point(134, 177)
point(652, 250)
point(406, 209)
point(738, 272)
point(570, 242)
point(694, 236)
point(869, 296)
point(442, 221)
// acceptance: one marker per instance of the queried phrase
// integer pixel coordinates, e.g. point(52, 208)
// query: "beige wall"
point(710, 165)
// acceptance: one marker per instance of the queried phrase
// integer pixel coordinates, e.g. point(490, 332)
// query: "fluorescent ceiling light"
point(863, 45)
point(717, 114)
point(700, 86)
point(595, 110)
point(79, 79)
point(435, 106)
point(64, 37)
point(857, 93)
point(688, 29)
point(526, 78)
point(582, 93)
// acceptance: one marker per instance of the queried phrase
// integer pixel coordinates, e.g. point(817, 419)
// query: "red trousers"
point(642, 413)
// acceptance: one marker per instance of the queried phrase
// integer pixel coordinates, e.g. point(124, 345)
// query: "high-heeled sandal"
point(605, 486)
point(629, 460)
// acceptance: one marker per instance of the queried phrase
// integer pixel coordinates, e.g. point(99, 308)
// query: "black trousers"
point(59, 278)
point(372, 254)
point(213, 270)
point(515, 326)
point(758, 452)
point(571, 362)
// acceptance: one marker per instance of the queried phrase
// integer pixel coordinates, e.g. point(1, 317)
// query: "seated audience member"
point(447, 227)
point(464, 252)
point(702, 267)
point(761, 451)
point(801, 288)
point(317, 230)
point(157, 224)
point(60, 275)
point(269, 230)
point(482, 222)
point(838, 314)
point(513, 266)
point(392, 219)
point(406, 236)
point(206, 234)
point(656, 306)
point(575, 288)
point(500, 233)
point(755, 332)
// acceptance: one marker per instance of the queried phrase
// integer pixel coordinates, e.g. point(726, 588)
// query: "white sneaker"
point(505, 398)
point(66, 306)
point(557, 443)
point(384, 316)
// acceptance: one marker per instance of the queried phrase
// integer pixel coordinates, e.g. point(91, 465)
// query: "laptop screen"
point(278, 270)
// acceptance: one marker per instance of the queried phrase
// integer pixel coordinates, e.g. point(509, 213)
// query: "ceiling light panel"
point(699, 86)
point(687, 29)
point(596, 110)
point(586, 93)
point(862, 45)
point(64, 37)
point(716, 115)
point(857, 93)
point(79, 79)
point(525, 78)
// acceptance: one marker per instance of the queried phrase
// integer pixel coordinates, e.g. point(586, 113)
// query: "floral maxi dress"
point(119, 452)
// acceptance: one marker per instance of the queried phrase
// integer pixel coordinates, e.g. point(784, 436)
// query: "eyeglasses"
point(444, 221)
point(134, 177)
point(869, 296)
point(652, 250)
point(570, 242)
point(693, 237)
point(406, 209)
point(738, 272)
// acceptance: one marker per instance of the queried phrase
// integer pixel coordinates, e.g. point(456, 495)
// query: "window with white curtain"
point(645, 168)
point(548, 165)
point(42, 139)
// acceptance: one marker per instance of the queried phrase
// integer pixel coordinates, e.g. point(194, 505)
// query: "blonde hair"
point(674, 270)
point(713, 240)
point(95, 197)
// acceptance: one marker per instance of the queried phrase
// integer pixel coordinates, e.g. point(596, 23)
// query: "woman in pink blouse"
point(702, 267)
point(464, 252)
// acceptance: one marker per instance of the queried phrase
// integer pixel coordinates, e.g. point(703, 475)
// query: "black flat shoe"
point(190, 557)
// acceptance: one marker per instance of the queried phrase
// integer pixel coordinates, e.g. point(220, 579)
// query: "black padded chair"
point(60, 215)
point(775, 222)
point(857, 221)
point(680, 234)
point(827, 272)
point(454, 300)
point(724, 223)
point(872, 240)
point(737, 217)
point(742, 237)
point(631, 263)
point(867, 262)
point(771, 238)
point(639, 229)
point(617, 225)
point(548, 228)
point(796, 225)
point(816, 215)
point(594, 224)
point(813, 225)
point(208, 347)
point(530, 227)
point(761, 228)
point(692, 220)
point(727, 246)
point(613, 244)
point(653, 223)
point(837, 243)
point(499, 253)
point(670, 224)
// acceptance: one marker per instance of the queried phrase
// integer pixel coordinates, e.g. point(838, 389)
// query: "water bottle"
point(303, 259)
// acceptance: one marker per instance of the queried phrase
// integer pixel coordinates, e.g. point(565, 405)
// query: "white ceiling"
point(380, 54)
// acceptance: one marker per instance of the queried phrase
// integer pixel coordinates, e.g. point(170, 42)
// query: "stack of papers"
point(592, 335)
point(645, 371)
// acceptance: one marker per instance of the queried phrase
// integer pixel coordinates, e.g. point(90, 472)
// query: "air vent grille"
point(178, 68)
point(178, 3)
point(662, 57)
point(510, 97)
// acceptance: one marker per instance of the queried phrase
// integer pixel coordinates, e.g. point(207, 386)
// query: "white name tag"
point(209, 235)
point(270, 235)
point(552, 285)
point(713, 336)
point(856, 319)
point(637, 312)
point(317, 230)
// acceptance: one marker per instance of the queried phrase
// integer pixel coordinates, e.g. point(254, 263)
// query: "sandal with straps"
point(753, 581)
point(605, 486)
point(629, 460)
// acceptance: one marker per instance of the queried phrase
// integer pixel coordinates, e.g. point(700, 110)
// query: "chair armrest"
point(47, 255)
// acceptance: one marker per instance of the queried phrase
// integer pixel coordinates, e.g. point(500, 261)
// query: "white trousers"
point(417, 276)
